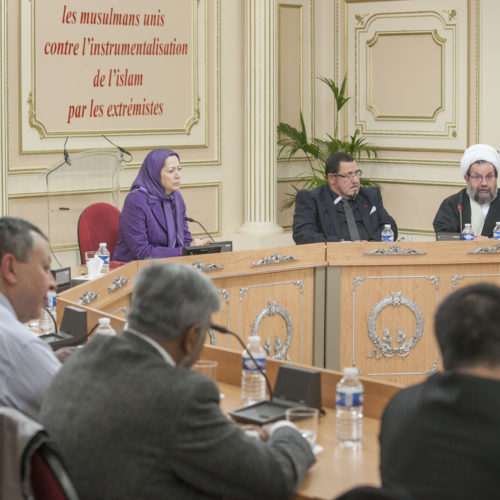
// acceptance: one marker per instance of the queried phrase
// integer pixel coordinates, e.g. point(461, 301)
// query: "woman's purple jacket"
point(152, 223)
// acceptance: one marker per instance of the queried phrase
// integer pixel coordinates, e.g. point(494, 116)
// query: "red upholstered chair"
point(29, 465)
point(98, 223)
point(49, 479)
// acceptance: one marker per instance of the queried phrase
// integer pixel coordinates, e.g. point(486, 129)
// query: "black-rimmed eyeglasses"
point(350, 177)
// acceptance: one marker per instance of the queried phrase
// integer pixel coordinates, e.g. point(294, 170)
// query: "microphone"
point(122, 150)
point(222, 329)
point(65, 152)
point(203, 227)
point(460, 214)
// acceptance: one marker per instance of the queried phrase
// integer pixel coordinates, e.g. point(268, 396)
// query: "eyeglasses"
point(350, 177)
point(480, 178)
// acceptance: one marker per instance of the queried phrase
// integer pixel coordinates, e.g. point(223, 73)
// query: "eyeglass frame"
point(480, 178)
point(349, 177)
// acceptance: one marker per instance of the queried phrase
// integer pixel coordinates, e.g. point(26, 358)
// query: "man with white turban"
point(477, 204)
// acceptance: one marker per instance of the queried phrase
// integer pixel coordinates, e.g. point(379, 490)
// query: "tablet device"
point(263, 412)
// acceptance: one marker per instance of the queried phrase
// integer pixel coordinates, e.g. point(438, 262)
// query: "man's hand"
point(62, 353)
point(255, 431)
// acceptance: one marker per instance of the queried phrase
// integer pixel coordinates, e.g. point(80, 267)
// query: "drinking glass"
point(306, 419)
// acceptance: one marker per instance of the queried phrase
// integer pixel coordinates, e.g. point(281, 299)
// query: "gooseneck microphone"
point(122, 150)
point(203, 227)
point(460, 215)
point(65, 152)
point(222, 329)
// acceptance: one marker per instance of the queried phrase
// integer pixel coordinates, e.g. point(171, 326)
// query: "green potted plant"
point(318, 150)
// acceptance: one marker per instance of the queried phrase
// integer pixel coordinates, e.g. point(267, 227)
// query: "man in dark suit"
point(440, 439)
point(132, 421)
point(478, 204)
point(341, 210)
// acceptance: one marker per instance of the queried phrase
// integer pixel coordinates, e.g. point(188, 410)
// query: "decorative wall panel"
point(407, 64)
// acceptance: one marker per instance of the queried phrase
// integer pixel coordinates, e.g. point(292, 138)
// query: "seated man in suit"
point(132, 421)
point(477, 204)
point(341, 210)
point(440, 439)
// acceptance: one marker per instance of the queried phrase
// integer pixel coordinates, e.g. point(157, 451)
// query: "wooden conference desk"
point(337, 469)
point(269, 292)
point(366, 304)
point(384, 298)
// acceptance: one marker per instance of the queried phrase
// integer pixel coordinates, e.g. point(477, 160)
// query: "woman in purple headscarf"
point(152, 221)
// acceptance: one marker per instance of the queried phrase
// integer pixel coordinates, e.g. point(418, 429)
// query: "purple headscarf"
point(149, 180)
point(149, 176)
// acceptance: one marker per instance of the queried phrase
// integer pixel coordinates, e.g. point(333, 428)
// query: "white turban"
point(479, 152)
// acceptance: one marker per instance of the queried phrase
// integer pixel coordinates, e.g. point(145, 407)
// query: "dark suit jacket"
point(440, 439)
point(316, 218)
point(131, 426)
point(447, 219)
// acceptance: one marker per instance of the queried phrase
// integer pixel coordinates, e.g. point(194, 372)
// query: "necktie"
point(351, 223)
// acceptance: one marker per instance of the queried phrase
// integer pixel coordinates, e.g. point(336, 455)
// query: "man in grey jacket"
point(132, 421)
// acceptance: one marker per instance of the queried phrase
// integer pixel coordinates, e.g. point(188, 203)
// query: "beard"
point(482, 198)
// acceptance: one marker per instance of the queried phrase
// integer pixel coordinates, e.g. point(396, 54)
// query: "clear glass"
point(306, 419)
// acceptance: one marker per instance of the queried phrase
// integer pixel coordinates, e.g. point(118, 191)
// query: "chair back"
point(29, 466)
point(98, 223)
point(49, 478)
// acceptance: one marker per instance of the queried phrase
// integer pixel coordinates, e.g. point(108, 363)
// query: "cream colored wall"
point(423, 86)
point(213, 173)
point(415, 173)
point(489, 95)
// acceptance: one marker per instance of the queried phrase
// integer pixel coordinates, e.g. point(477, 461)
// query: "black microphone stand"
point(122, 150)
point(210, 236)
point(222, 329)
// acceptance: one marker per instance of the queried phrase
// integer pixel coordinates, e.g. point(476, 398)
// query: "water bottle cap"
point(51, 293)
point(254, 339)
point(387, 226)
point(351, 371)
point(103, 321)
point(103, 244)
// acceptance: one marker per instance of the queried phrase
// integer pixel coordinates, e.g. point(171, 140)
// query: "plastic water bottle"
point(387, 234)
point(496, 232)
point(104, 327)
point(349, 409)
point(468, 233)
point(253, 384)
point(46, 322)
point(103, 253)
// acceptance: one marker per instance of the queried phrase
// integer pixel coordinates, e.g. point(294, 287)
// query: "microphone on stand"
point(209, 235)
point(65, 152)
point(460, 214)
point(122, 150)
point(222, 329)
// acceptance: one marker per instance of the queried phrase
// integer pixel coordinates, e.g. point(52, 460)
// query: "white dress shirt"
point(27, 364)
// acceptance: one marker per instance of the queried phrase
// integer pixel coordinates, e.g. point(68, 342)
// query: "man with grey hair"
point(131, 420)
point(478, 204)
point(27, 364)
